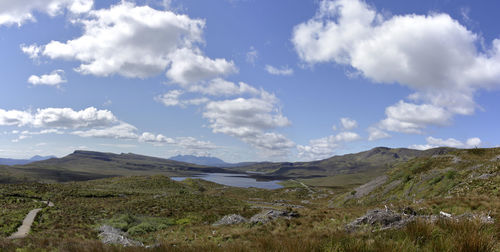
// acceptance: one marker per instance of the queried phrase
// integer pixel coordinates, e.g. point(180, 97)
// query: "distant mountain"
point(88, 165)
point(375, 161)
point(208, 161)
point(11, 161)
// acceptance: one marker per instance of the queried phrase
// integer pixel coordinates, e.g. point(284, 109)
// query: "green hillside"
point(88, 165)
point(178, 216)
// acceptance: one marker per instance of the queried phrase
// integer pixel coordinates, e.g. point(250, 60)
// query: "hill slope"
point(208, 161)
point(11, 161)
point(471, 173)
point(376, 160)
point(88, 165)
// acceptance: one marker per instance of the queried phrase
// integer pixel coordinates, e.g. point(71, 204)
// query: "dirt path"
point(25, 228)
point(304, 185)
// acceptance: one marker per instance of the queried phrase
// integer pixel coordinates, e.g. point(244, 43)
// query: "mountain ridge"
point(14, 161)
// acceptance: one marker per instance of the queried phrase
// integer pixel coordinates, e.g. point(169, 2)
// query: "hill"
point(11, 161)
point(88, 165)
point(443, 202)
point(356, 168)
point(460, 173)
point(352, 169)
point(207, 161)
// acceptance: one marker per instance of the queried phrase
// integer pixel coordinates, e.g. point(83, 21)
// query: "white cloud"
point(348, 123)
point(55, 78)
point(473, 142)
point(58, 118)
point(120, 131)
point(33, 51)
point(252, 55)
point(450, 142)
point(20, 11)
point(69, 118)
point(171, 98)
point(152, 138)
point(15, 118)
point(434, 55)
point(284, 70)
point(190, 67)
point(221, 87)
point(325, 147)
point(242, 117)
point(376, 134)
point(411, 118)
point(248, 119)
point(137, 42)
point(190, 144)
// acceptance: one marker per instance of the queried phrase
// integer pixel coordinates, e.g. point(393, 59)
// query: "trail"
point(304, 185)
point(25, 228)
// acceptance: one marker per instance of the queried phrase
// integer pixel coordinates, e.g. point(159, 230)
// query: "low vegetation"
point(166, 215)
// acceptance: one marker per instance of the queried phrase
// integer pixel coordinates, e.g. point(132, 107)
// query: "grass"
point(177, 216)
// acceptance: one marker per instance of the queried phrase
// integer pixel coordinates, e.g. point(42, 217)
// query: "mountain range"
point(11, 161)
point(88, 165)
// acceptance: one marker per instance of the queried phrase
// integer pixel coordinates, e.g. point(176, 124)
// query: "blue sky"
point(247, 80)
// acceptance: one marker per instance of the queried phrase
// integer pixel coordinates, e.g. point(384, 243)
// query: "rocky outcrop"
point(230, 220)
point(270, 215)
point(262, 217)
point(388, 219)
point(384, 219)
point(111, 235)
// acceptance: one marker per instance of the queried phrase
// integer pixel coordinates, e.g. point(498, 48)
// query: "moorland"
point(383, 199)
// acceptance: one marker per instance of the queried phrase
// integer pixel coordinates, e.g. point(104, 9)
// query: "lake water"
point(237, 180)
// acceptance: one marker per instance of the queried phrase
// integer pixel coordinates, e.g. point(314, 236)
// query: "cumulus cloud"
point(152, 138)
point(249, 119)
point(376, 134)
point(190, 144)
point(57, 118)
point(433, 54)
point(137, 42)
point(189, 66)
point(411, 118)
point(450, 142)
point(55, 78)
point(285, 70)
point(120, 131)
point(325, 147)
point(221, 87)
point(33, 51)
point(348, 123)
point(172, 98)
point(20, 11)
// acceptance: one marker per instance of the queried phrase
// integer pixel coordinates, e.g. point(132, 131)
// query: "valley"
point(429, 202)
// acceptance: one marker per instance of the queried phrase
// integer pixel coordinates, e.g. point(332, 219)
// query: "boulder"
point(230, 220)
point(111, 235)
point(270, 215)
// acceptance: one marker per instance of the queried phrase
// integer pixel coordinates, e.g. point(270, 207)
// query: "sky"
point(247, 80)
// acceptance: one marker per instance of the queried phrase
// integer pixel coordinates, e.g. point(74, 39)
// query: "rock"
point(409, 211)
point(270, 215)
point(111, 235)
point(230, 220)
point(385, 219)
point(485, 176)
point(369, 187)
point(447, 215)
